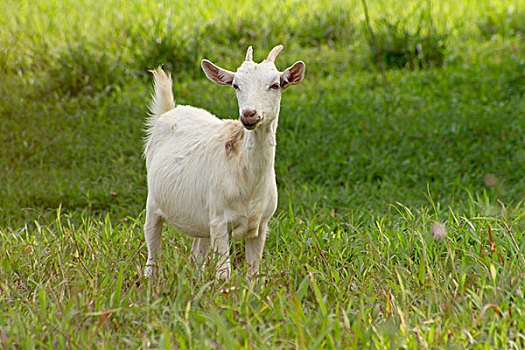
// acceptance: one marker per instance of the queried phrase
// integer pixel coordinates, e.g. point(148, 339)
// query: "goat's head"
point(258, 86)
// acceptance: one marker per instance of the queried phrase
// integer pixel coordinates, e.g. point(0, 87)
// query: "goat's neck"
point(260, 147)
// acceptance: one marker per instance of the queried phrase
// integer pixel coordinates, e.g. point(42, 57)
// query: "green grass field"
point(401, 217)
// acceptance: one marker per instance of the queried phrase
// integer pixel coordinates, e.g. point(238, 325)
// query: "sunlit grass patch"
point(399, 48)
point(332, 281)
point(84, 69)
point(509, 22)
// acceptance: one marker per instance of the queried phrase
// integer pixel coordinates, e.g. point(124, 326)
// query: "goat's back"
point(178, 127)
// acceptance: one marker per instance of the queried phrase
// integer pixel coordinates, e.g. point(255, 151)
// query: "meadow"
point(400, 166)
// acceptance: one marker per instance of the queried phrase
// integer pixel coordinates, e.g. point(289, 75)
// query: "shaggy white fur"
point(214, 179)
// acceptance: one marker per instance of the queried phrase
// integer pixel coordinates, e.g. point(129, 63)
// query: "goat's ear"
point(216, 74)
point(293, 75)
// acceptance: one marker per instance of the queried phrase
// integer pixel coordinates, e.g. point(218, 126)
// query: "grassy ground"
point(401, 215)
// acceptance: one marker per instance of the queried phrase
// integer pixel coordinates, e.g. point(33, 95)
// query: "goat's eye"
point(235, 86)
point(274, 86)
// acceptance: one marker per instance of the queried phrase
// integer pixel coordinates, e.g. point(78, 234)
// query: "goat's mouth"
point(251, 123)
point(249, 126)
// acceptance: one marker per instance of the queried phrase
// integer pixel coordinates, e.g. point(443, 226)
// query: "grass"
point(380, 282)
point(370, 176)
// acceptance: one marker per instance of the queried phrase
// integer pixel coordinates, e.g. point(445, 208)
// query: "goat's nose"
point(249, 113)
point(249, 118)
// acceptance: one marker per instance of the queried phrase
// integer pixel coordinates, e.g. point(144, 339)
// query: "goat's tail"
point(163, 96)
point(162, 102)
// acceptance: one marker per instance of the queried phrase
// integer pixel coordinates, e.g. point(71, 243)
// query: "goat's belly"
point(187, 222)
point(186, 210)
point(191, 229)
point(188, 215)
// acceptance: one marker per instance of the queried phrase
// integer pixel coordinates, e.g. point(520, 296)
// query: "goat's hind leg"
point(153, 234)
point(199, 251)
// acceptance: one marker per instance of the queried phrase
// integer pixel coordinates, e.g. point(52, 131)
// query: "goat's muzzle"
point(250, 118)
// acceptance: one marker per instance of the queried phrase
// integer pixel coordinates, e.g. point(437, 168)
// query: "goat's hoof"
point(150, 271)
point(223, 275)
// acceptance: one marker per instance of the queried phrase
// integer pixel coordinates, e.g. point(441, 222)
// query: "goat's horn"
point(273, 54)
point(249, 54)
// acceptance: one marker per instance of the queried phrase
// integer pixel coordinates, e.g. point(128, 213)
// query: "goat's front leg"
point(220, 245)
point(254, 249)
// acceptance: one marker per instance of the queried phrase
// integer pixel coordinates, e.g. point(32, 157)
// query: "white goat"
point(210, 178)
